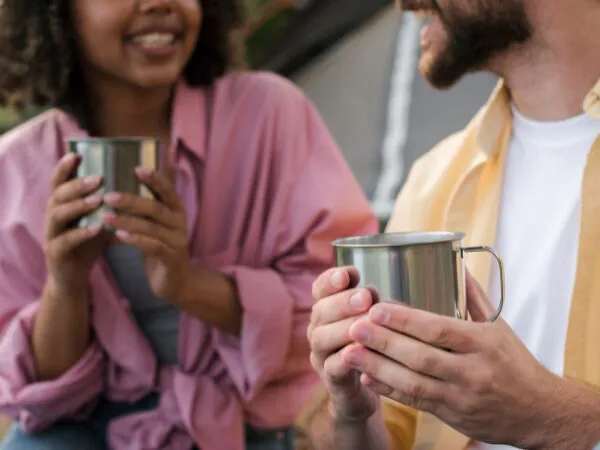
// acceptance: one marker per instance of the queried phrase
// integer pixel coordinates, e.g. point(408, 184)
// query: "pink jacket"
point(266, 190)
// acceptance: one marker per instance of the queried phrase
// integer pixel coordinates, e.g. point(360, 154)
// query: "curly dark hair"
point(38, 64)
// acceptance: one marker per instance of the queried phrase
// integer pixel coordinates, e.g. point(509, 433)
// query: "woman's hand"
point(157, 228)
point(61, 330)
point(71, 251)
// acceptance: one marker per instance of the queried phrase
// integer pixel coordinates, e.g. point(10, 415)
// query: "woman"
point(186, 327)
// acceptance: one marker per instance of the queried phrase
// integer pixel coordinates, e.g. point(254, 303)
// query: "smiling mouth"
point(152, 40)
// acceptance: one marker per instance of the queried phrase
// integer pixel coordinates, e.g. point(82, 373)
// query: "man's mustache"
point(415, 5)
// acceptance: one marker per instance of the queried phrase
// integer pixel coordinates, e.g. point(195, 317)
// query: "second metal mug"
point(423, 270)
point(115, 159)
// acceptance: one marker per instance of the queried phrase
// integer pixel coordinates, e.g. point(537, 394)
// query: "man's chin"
point(438, 75)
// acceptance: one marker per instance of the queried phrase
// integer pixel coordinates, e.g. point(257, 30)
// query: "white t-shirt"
point(538, 231)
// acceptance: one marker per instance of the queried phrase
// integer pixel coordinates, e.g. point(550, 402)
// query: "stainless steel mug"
point(423, 270)
point(115, 159)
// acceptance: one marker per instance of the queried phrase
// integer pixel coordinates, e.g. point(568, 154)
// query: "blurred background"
point(357, 61)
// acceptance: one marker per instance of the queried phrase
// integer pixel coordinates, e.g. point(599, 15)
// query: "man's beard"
point(475, 38)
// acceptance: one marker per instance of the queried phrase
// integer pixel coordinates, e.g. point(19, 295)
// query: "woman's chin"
point(156, 78)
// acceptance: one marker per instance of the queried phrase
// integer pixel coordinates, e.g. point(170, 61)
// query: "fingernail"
point(143, 172)
point(112, 198)
point(357, 301)
point(93, 200)
point(122, 234)
point(380, 315)
point(92, 180)
point(363, 334)
point(353, 360)
point(337, 279)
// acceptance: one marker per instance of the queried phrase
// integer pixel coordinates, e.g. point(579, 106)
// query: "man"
point(523, 176)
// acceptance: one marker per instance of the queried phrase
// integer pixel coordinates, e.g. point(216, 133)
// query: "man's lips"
point(423, 8)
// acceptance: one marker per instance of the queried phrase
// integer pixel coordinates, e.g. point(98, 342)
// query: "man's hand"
point(339, 305)
point(477, 377)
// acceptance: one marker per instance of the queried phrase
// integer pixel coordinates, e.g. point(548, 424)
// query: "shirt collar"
point(497, 114)
point(591, 104)
point(494, 118)
point(189, 118)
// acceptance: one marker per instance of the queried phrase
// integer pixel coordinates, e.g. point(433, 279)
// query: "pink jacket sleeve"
point(319, 200)
point(35, 404)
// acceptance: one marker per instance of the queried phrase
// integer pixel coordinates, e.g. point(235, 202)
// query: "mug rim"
point(112, 139)
point(398, 239)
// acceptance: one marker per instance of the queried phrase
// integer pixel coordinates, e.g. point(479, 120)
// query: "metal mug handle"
point(491, 251)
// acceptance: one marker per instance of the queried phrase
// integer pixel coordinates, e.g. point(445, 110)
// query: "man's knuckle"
point(414, 389)
point(426, 363)
point(309, 329)
point(315, 315)
point(399, 321)
point(493, 339)
point(438, 396)
point(381, 344)
point(315, 290)
point(318, 287)
point(415, 392)
point(335, 371)
point(398, 396)
point(329, 368)
point(371, 365)
point(466, 406)
point(433, 408)
point(315, 361)
point(465, 342)
point(317, 341)
point(442, 335)
point(482, 381)
point(384, 389)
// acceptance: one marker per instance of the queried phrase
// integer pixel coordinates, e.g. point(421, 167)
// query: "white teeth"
point(154, 39)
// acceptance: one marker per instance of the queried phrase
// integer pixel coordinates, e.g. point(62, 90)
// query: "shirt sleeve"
point(401, 424)
point(34, 404)
point(319, 201)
